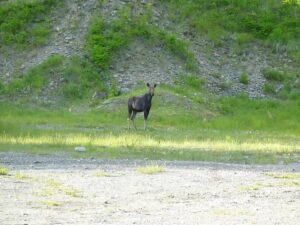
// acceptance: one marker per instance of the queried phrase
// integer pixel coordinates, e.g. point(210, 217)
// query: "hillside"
point(70, 50)
point(227, 73)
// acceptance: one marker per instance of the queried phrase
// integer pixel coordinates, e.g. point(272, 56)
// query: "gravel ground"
point(60, 190)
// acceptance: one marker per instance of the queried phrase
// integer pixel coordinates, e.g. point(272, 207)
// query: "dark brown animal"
point(140, 104)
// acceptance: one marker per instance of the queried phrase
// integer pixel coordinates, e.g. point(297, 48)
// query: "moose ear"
point(155, 85)
point(148, 85)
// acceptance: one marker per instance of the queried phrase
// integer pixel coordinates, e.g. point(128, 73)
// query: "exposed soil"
point(58, 189)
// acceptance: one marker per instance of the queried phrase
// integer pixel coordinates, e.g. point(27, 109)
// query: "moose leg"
point(132, 118)
point(146, 113)
point(130, 111)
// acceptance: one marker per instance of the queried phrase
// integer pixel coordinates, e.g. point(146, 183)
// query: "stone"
point(99, 95)
point(80, 149)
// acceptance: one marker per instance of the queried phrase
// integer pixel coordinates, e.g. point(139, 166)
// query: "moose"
point(140, 104)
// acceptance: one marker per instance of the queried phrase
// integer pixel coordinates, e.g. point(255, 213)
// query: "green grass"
point(106, 37)
point(275, 23)
point(73, 79)
point(244, 78)
point(25, 24)
point(235, 129)
point(273, 75)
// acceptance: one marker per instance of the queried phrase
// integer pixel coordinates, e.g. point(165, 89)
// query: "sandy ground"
point(60, 190)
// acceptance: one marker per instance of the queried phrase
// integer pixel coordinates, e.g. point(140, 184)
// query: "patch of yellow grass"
point(21, 176)
point(101, 174)
point(141, 141)
point(3, 171)
point(51, 203)
point(56, 186)
point(253, 187)
point(151, 169)
point(284, 175)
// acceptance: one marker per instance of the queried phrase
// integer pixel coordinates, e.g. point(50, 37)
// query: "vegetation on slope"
point(105, 37)
point(25, 23)
point(275, 22)
point(70, 79)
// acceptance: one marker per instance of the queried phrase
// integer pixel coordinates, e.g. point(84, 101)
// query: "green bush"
point(269, 88)
point(103, 39)
point(194, 82)
point(244, 78)
point(273, 75)
point(16, 86)
point(72, 91)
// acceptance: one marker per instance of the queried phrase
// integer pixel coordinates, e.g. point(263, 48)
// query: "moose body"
point(140, 104)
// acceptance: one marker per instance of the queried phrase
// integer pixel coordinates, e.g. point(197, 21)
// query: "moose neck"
point(148, 97)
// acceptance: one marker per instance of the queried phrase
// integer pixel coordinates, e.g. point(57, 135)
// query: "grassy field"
point(235, 129)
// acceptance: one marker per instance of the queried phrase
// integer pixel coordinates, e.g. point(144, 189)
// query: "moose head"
point(151, 89)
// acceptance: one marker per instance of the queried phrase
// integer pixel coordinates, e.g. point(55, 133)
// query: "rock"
point(80, 149)
point(99, 95)
point(124, 90)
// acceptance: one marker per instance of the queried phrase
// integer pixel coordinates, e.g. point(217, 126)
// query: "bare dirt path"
point(60, 190)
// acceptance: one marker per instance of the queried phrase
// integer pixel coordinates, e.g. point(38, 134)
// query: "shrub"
point(244, 78)
point(37, 77)
point(269, 88)
point(273, 75)
point(72, 91)
point(194, 82)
